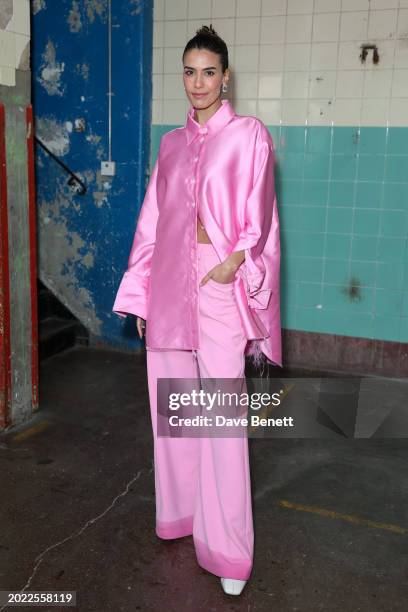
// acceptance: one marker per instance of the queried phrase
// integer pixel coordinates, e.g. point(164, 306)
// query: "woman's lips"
point(199, 95)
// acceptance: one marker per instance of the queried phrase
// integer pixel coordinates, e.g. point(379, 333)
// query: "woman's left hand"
point(221, 273)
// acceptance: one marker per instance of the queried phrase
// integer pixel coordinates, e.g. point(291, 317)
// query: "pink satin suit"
point(223, 170)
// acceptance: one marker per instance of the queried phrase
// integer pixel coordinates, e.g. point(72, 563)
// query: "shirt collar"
point(216, 122)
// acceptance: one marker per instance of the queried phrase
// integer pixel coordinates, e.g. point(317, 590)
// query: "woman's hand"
point(140, 325)
point(221, 273)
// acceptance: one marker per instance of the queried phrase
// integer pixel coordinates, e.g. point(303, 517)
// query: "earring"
point(224, 88)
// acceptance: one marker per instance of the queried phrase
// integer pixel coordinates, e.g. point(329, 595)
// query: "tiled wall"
point(14, 39)
point(340, 129)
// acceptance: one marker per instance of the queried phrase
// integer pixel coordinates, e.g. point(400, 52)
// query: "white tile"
point(225, 27)
point(245, 107)
point(21, 48)
point(327, 6)
point(247, 31)
point(350, 83)
point(174, 112)
point(157, 60)
point(378, 84)
point(269, 111)
point(300, 7)
point(403, 3)
point(374, 112)
point(386, 52)
point(248, 9)
point(157, 112)
point(273, 7)
point(158, 10)
point(245, 85)
point(20, 21)
point(355, 5)
point(7, 76)
point(349, 56)
point(324, 56)
point(354, 26)
point(322, 84)
point(176, 9)
point(157, 86)
point(347, 111)
point(400, 84)
point(402, 28)
point(173, 87)
point(398, 115)
point(320, 112)
point(326, 27)
point(401, 54)
point(383, 4)
point(173, 60)
point(298, 28)
point(295, 85)
point(223, 8)
point(297, 56)
point(271, 57)
point(199, 9)
point(294, 112)
point(270, 85)
point(273, 30)
point(7, 49)
point(246, 57)
point(158, 34)
point(382, 24)
point(174, 32)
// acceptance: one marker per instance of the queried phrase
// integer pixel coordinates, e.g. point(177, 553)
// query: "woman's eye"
point(211, 72)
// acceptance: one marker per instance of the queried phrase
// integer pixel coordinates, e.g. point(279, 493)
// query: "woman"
point(203, 271)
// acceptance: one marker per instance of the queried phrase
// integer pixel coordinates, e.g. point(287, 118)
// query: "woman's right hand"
point(141, 326)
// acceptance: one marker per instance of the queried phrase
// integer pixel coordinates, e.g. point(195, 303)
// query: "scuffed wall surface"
point(84, 241)
point(14, 39)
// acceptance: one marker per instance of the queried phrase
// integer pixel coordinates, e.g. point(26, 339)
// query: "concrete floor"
point(77, 509)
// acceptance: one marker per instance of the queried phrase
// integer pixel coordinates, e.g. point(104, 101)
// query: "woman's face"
point(202, 75)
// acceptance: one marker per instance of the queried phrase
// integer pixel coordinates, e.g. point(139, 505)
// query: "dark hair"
point(207, 38)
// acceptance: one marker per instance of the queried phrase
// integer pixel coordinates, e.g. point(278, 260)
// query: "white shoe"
point(233, 586)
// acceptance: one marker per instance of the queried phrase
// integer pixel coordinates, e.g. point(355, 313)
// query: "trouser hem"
point(220, 565)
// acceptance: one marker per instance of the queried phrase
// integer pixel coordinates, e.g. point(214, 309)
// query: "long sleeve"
point(131, 297)
point(260, 236)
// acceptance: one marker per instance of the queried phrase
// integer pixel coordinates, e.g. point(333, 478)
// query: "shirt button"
point(202, 130)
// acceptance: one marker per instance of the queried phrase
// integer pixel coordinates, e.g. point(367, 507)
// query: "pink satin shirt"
point(224, 171)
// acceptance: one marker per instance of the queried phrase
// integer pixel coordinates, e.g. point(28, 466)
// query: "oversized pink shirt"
point(224, 171)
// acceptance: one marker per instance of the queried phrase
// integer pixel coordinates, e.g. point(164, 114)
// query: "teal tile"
point(358, 324)
point(310, 244)
point(366, 222)
point(274, 131)
point(318, 139)
point(337, 246)
point(313, 218)
point(289, 293)
point(308, 319)
point(308, 294)
point(395, 195)
point(289, 266)
point(292, 139)
point(339, 220)
point(310, 269)
point(364, 248)
point(369, 195)
point(396, 168)
point(359, 299)
point(333, 297)
point(362, 274)
point(370, 168)
point(291, 165)
point(397, 142)
point(387, 328)
point(344, 167)
point(316, 166)
point(392, 249)
point(315, 192)
point(372, 140)
point(341, 193)
point(289, 192)
point(388, 302)
point(289, 318)
point(390, 276)
point(404, 306)
point(394, 223)
point(289, 218)
point(403, 329)
point(345, 140)
point(336, 271)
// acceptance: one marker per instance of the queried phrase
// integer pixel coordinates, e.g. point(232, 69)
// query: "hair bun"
point(208, 30)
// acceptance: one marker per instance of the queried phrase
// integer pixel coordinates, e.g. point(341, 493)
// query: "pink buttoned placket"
point(202, 131)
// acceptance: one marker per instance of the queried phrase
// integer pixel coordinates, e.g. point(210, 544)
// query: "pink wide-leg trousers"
point(203, 484)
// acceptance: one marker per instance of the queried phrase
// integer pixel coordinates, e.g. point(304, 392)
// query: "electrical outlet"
point(108, 168)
